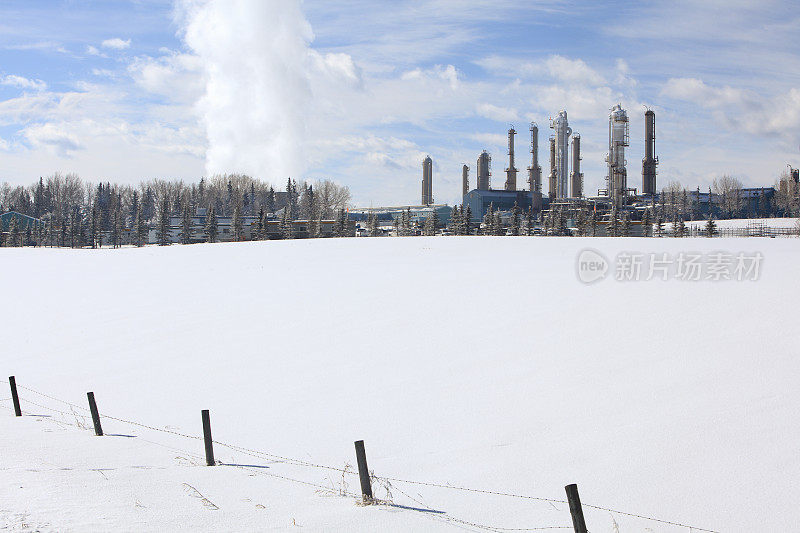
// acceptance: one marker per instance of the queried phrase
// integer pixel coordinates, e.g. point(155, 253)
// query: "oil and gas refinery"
point(565, 180)
point(566, 193)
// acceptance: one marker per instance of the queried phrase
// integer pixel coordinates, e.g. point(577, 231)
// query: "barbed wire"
point(302, 463)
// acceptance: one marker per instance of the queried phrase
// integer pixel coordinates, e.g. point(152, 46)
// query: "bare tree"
point(728, 191)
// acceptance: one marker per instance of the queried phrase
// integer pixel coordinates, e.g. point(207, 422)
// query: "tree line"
point(76, 213)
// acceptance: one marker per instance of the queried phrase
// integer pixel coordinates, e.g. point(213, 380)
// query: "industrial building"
point(427, 181)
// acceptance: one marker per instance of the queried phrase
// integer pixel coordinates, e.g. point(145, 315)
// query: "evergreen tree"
point(271, 200)
point(429, 228)
point(259, 226)
point(287, 226)
point(162, 233)
point(647, 224)
point(625, 225)
point(211, 230)
point(116, 227)
point(467, 218)
point(186, 224)
point(499, 230)
point(13, 231)
point(455, 224)
point(659, 226)
point(515, 220)
point(488, 220)
point(238, 227)
point(372, 225)
point(529, 222)
point(680, 228)
point(711, 227)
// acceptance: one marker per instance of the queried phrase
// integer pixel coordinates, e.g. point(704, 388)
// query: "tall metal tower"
point(511, 171)
point(535, 170)
point(576, 178)
point(650, 160)
point(427, 181)
point(484, 170)
point(552, 177)
point(464, 180)
point(618, 140)
point(562, 132)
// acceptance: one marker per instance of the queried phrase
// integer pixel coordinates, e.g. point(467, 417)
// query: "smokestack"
point(484, 171)
point(576, 185)
point(535, 171)
point(427, 181)
point(650, 161)
point(553, 179)
point(511, 171)
point(464, 180)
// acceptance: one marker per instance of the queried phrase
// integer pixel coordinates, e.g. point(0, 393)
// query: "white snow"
point(478, 362)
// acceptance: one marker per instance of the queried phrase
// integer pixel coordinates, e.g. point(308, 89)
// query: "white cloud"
point(55, 137)
point(93, 51)
point(500, 114)
point(695, 90)
point(23, 83)
point(116, 44)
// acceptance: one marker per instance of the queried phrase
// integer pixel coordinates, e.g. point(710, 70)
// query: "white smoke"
point(257, 66)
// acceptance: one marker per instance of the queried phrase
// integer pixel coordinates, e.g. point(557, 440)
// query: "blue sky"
point(360, 91)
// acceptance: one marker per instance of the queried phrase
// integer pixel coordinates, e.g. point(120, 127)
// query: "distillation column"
point(576, 178)
point(427, 181)
point(650, 160)
point(464, 180)
point(535, 170)
point(618, 140)
point(511, 171)
point(562, 132)
point(552, 178)
point(484, 170)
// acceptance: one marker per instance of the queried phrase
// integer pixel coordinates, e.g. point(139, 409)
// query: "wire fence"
point(76, 411)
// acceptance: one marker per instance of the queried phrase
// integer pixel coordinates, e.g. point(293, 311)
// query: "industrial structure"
point(484, 171)
point(618, 140)
point(511, 171)
point(427, 181)
point(464, 180)
point(576, 178)
point(535, 170)
point(561, 134)
point(552, 178)
point(650, 160)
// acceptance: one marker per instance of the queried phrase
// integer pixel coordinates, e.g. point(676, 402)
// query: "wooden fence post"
point(575, 508)
point(14, 396)
point(363, 472)
point(98, 429)
point(207, 438)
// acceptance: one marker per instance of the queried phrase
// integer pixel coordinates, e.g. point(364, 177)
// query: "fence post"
point(575, 508)
point(98, 429)
point(363, 472)
point(207, 438)
point(14, 396)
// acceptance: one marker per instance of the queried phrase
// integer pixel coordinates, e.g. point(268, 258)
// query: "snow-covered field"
point(473, 362)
